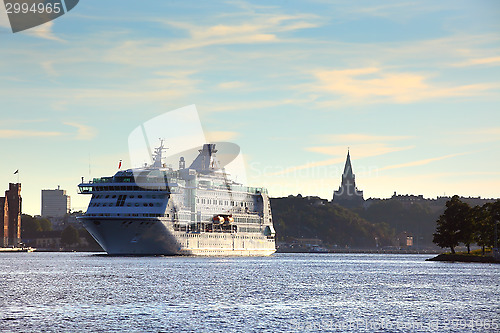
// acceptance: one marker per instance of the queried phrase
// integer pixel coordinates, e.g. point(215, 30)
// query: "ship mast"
point(158, 155)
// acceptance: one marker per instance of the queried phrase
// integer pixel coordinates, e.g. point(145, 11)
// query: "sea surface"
point(85, 292)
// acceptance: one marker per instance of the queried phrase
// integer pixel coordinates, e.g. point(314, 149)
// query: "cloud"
point(359, 137)
point(17, 134)
point(340, 152)
point(420, 162)
point(48, 66)
point(231, 85)
point(220, 136)
point(479, 61)
point(473, 136)
point(84, 132)
point(374, 85)
point(358, 150)
point(44, 31)
point(308, 165)
point(261, 28)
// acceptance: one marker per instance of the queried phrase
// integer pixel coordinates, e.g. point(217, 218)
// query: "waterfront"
point(285, 292)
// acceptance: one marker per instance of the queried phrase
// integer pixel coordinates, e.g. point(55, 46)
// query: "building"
point(348, 194)
point(10, 216)
point(4, 219)
point(55, 203)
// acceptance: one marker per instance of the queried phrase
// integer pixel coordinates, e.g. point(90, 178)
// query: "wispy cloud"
point(44, 31)
point(84, 132)
point(357, 151)
point(475, 135)
point(375, 85)
point(250, 105)
point(215, 136)
point(479, 61)
point(420, 162)
point(258, 28)
point(308, 165)
point(360, 137)
point(18, 134)
point(231, 85)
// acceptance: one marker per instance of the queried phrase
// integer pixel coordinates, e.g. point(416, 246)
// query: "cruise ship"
point(194, 210)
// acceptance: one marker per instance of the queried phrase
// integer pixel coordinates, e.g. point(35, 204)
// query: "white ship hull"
point(155, 237)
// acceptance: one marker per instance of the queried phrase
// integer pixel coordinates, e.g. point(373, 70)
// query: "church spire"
point(348, 166)
point(348, 193)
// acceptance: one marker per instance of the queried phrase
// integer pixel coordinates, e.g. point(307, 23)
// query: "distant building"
point(55, 203)
point(10, 216)
point(404, 240)
point(4, 219)
point(348, 194)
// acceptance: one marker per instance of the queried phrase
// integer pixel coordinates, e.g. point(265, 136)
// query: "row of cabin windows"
point(214, 235)
point(140, 196)
point(136, 214)
point(126, 188)
point(128, 204)
point(223, 202)
point(249, 229)
point(233, 194)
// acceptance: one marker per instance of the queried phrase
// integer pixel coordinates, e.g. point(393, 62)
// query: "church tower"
point(348, 194)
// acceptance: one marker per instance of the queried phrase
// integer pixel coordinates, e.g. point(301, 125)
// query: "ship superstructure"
point(195, 210)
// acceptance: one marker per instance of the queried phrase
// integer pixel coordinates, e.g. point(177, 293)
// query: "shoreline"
point(447, 257)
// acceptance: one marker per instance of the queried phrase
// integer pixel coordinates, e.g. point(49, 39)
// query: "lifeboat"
point(218, 219)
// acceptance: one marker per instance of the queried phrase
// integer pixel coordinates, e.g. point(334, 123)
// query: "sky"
point(411, 88)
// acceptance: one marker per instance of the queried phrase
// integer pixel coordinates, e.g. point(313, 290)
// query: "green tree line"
point(70, 235)
point(463, 224)
point(312, 217)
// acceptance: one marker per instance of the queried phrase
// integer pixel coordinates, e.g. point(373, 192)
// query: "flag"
point(120, 164)
point(17, 171)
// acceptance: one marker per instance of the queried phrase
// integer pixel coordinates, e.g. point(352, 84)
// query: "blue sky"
point(412, 88)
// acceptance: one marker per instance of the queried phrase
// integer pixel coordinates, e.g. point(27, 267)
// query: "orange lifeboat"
point(218, 219)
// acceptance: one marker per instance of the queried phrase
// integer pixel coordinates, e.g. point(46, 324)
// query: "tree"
point(467, 227)
point(29, 224)
point(452, 225)
point(483, 231)
point(45, 224)
point(495, 216)
point(69, 236)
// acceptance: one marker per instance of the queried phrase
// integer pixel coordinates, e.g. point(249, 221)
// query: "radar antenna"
point(158, 155)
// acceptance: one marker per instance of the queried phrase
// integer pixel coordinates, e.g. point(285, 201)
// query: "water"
point(83, 292)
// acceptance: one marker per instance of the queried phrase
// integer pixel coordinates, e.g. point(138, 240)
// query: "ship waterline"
point(153, 237)
point(191, 211)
